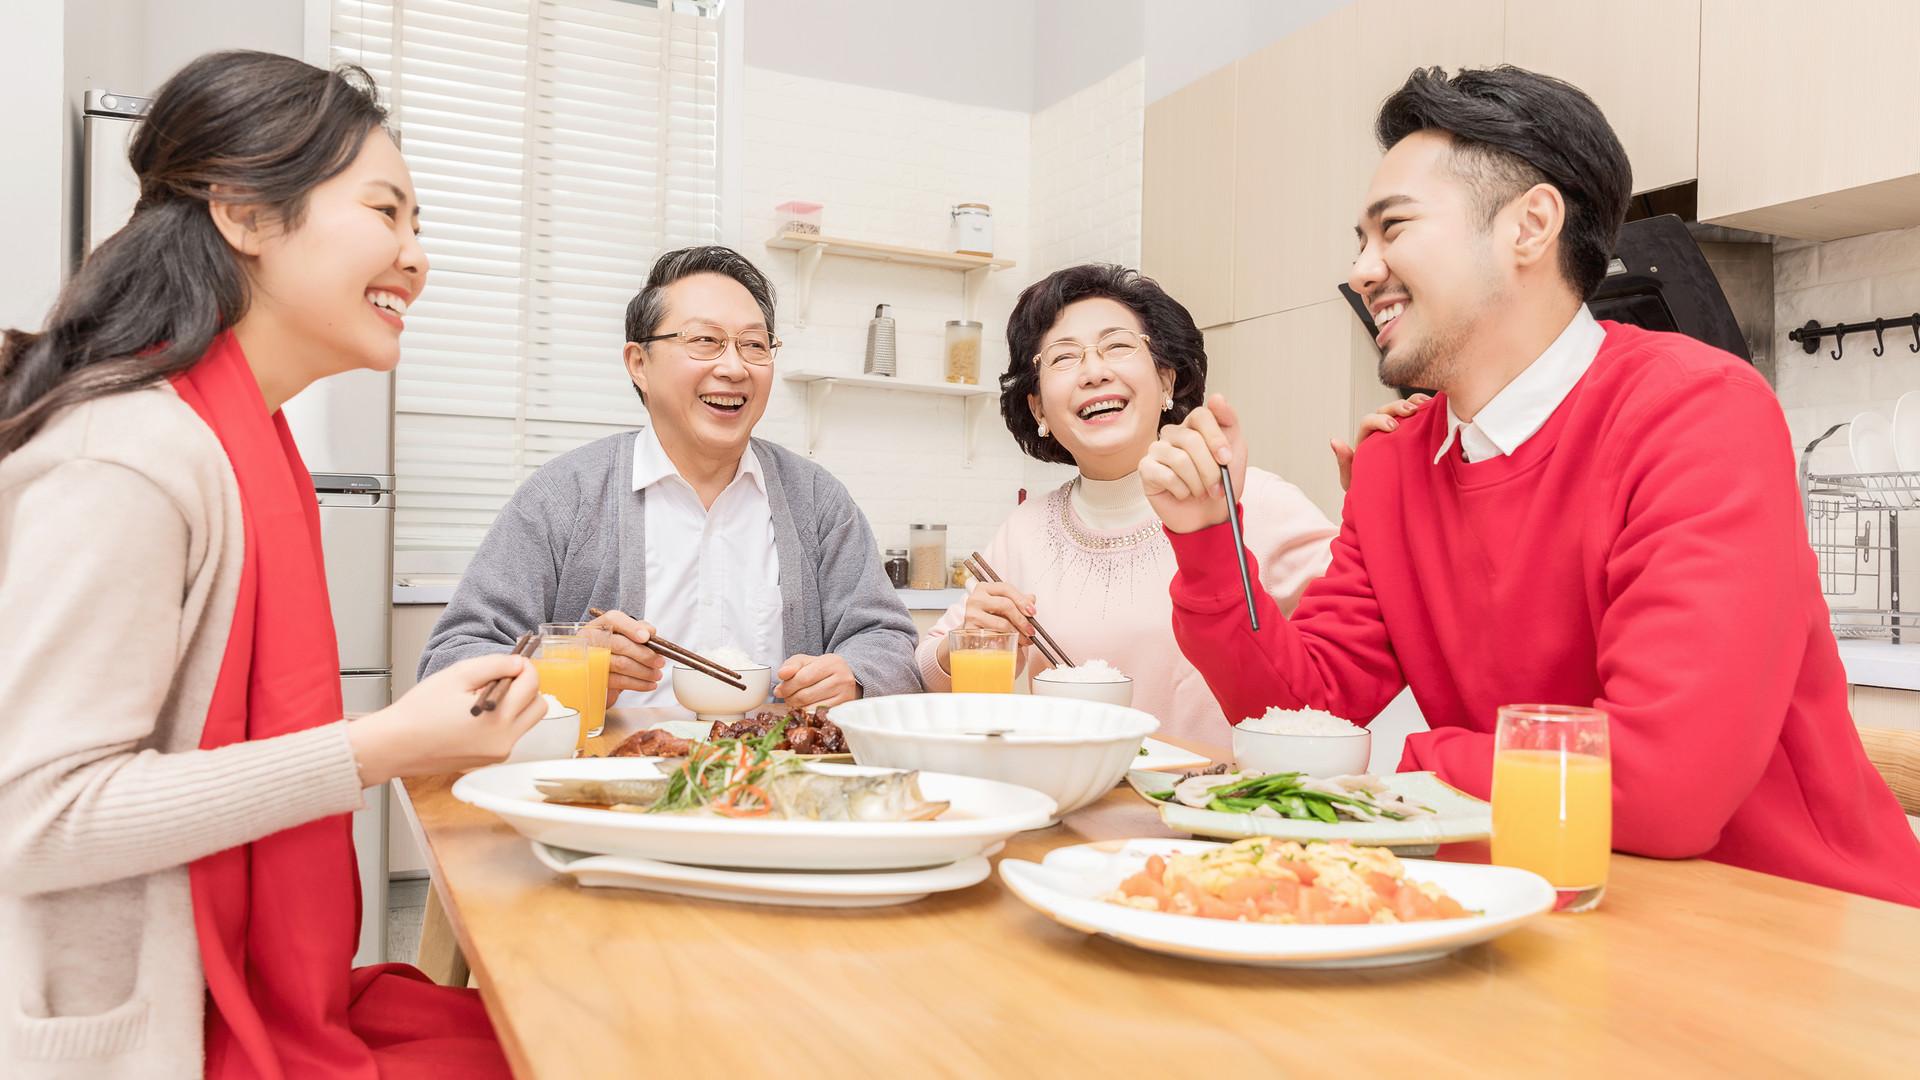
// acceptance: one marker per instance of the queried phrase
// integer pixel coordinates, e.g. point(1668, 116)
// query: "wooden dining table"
point(1688, 968)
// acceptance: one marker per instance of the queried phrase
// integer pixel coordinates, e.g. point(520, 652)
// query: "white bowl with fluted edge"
point(551, 738)
point(710, 699)
point(1072, 750)
point(1115, 691)
point(1321, 756)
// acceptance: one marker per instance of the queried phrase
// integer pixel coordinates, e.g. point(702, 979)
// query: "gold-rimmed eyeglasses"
point(1116, 347)
point(704, 341)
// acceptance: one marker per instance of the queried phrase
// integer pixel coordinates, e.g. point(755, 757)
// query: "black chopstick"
point(489, 696)
point(1048, 647)
point(687, 658)
point(1239, 545)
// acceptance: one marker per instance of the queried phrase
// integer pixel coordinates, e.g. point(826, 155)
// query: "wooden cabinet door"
point(1187, 209)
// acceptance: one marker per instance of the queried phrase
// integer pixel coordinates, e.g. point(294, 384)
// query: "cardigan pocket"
point(119, 1030)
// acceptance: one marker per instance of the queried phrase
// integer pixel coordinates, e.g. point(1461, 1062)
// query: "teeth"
point(1389, 313)
point(1098, 407)
point(387, 301)
point(723, 399)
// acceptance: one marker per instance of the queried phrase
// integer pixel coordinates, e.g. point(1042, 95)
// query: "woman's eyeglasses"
point(1117, 347)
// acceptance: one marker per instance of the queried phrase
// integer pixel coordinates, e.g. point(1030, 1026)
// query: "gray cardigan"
point(574, 537)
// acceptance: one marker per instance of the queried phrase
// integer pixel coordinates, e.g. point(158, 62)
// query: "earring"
point(1167, 406)
point(1043, 429)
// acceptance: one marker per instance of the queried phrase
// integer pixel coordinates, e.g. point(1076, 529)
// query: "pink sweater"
point(1103, 595)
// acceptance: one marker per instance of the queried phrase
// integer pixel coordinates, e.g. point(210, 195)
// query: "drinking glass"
point(982, 661)
point(1553, 798)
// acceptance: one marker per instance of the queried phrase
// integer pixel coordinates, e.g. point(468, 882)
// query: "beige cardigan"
point(120, 556)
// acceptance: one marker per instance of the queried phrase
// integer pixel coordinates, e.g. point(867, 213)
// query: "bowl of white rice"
point(1301, 740)
point(711, 699)
point(1095, 680)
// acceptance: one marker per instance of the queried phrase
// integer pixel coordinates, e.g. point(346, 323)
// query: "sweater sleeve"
point(1710, 564)
point(84, 798)
point(510, 584)
point(1332, 654)
point(866, 624)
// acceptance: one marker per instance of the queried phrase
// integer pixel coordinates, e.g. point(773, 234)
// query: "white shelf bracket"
point(817, 393)
point(809, 263)
point(972, 284)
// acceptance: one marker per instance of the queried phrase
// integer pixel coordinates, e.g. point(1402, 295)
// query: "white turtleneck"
point(1111, 505)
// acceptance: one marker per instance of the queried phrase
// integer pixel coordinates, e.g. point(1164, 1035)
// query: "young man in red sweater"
point(1588, 513)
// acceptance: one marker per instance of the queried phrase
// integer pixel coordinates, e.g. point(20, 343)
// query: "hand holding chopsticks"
point(1188, 475)
point(489, 697)
point(1049, 648)
point(685, 657)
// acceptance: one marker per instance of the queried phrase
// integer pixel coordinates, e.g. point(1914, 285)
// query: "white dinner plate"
point(1458, 817)
point(984, 813)
point(1067, 887)
point(1906, 431)
point(1870, 441)
point(856, 888)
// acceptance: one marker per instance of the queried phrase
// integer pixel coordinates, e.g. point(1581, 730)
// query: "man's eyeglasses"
point(1117, 347)
point(704, 341)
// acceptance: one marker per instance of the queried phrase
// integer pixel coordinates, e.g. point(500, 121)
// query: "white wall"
point(973, 52)
point(32, 128)
point(1184, 41)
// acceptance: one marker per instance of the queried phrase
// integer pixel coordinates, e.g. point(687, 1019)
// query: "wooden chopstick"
point(687, 657)
point(489, 697)
point(1048, 647)
point(1239, 546)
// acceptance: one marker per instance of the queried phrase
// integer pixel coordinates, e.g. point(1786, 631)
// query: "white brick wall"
point(887, 165)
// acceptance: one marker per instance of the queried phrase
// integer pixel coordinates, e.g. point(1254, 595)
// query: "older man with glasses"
point(691, 524)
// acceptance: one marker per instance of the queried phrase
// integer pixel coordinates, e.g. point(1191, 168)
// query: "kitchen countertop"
point(1882, 663)
point(915, 599)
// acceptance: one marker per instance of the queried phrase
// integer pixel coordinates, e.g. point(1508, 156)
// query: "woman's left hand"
point(816, 682)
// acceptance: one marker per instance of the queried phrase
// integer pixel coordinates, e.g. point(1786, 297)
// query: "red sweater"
point(1645, 552)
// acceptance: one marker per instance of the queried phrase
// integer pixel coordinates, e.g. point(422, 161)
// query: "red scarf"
point(279, 919)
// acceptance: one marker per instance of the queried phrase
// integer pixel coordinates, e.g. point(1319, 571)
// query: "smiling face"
point(1106, 409)
point(335, 288)
point(707, 407)
point(1429, 267)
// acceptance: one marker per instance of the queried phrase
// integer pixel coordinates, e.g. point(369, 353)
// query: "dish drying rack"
point(1853, 524)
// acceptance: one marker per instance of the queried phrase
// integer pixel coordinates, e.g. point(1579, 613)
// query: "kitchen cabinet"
point(1640, 62)
point(1298, 379)
point(1187, 210)
point(1810, 116)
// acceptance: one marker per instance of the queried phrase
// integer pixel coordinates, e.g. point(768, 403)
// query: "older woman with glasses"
point(691, 524)
point(1100, 358)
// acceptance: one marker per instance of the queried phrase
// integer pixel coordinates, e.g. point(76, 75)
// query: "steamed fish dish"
point(1279, 881)
point(749, 778)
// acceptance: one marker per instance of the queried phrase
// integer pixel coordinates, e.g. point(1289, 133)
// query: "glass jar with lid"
point(927, 556)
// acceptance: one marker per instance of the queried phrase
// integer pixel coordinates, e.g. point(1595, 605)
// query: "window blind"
point(557, 146)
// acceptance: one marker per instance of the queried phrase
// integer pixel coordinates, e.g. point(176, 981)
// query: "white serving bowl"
point(1072, 750)
point(1116, 691)
point(1316, 755)
point(711, 699)
point(552, 738)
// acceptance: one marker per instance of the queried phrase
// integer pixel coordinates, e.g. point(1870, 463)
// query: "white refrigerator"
point(344, 427)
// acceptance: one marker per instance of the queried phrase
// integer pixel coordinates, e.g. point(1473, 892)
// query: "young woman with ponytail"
point(177, 880)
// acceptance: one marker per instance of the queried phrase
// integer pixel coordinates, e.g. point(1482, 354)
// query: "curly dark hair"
point(1511, 129)
point(1175, 343)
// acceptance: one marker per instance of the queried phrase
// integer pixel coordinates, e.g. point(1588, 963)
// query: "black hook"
point(1839, 344)
point(1915, 347)
point(1879, 335)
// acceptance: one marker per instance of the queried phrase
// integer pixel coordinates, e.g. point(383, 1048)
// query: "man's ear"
point(635, 355)
point(1542, 215)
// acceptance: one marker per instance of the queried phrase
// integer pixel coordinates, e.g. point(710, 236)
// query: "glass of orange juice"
point(562, 663)
point(599, 659)
point(982, 661)
point(1553, 798)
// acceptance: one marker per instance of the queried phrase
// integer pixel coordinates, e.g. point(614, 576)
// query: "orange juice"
point(594, 717)
point(565, 675)
point(982, 671)
point(1553, 815)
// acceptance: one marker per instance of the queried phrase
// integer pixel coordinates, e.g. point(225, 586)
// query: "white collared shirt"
point(1522, 407)
point(713, 576)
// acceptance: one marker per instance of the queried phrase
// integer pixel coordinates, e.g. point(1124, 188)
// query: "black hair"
point(1174, 341)
point(266, 130)
point(1512, 128)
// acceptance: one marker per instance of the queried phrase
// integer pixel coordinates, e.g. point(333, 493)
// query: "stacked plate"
point(796, 863)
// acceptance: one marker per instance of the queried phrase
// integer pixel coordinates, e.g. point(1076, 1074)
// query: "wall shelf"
point(820, 386)
point(812, 248)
